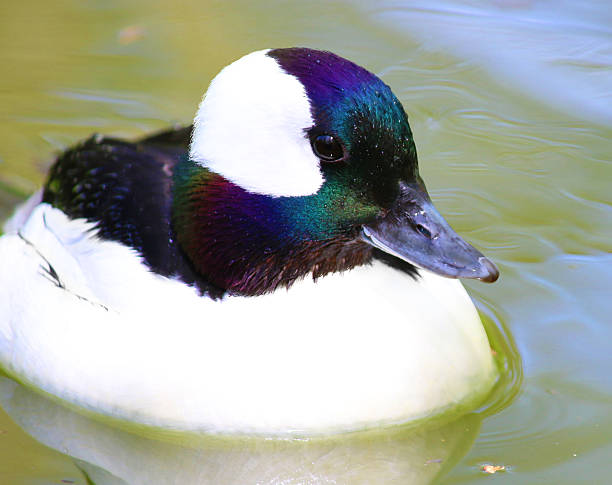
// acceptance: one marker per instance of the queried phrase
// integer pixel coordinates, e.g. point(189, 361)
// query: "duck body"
point(164, 283)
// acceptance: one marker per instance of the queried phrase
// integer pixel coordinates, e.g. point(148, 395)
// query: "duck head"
point(303, 162)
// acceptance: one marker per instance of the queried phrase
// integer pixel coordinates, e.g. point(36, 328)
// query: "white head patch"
point(250, 129)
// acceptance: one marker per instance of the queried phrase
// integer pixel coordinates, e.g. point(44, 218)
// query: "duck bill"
point(413, 230)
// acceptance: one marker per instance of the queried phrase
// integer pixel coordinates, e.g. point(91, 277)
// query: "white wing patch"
point(250, 128)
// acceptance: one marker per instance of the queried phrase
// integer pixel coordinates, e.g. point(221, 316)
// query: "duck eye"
point(327, 148)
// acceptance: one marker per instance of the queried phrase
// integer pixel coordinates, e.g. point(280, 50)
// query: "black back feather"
point(126, 190)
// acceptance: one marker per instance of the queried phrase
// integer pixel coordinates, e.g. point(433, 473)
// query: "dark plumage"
point(190, 219)
point(126, 189)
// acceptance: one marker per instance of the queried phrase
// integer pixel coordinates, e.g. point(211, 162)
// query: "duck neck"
point(251, 244)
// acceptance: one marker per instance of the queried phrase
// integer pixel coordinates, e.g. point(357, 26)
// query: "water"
point(509, 102)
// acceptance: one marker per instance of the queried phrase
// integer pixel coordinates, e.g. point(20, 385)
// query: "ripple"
point(506, 357)
point(562, 59)
point(541, 413)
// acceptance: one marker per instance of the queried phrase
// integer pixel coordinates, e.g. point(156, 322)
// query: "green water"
point(526, 182)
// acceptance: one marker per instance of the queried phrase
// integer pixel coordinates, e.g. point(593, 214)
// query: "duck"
point(277, 268)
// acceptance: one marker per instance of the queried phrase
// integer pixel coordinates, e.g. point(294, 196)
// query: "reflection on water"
point(510, 105)
point(559, 53)
point(110, 456)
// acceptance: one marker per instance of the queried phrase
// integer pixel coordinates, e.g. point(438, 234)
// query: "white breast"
point(370, 346)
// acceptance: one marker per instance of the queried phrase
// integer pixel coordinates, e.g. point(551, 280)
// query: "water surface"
point(509, 102)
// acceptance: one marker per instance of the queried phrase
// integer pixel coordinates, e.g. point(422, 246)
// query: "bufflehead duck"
point(276, 269)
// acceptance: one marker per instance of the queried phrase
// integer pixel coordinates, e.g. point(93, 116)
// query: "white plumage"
point(262, 144)
point(370, 346)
